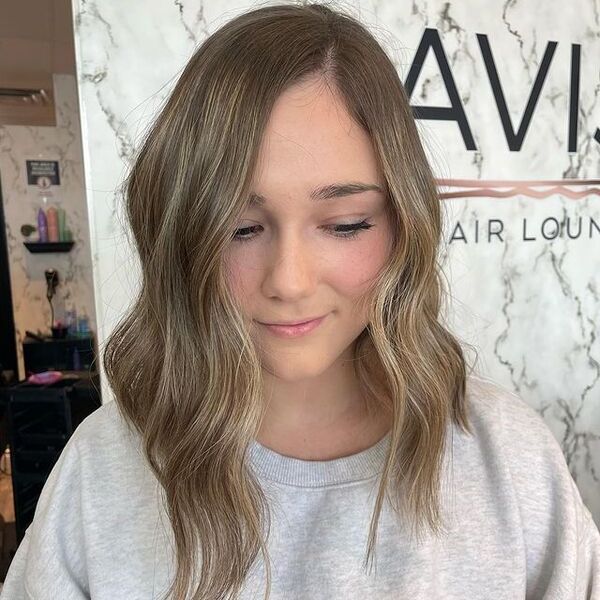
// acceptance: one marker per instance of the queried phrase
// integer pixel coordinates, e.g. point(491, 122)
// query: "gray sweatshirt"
point(517, 525)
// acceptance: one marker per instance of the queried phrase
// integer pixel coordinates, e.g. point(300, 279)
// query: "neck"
point(322, 418)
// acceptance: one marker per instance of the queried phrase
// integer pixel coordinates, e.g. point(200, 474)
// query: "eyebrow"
point(327, 192)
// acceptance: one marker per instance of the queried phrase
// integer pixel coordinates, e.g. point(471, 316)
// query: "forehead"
point(311, 142)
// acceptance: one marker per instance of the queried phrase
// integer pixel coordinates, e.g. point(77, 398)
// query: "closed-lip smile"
point(296, 330)
point(292, 323)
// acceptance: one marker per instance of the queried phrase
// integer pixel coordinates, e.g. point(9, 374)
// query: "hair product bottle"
point(42, 225)
point(71, 319)
point(52, 224)
point(61, 224)
point(83, 325)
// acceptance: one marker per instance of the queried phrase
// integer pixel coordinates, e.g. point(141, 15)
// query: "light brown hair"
point(181, 362)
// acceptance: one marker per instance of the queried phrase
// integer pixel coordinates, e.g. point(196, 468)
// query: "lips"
point(292, 331)
point(292, 323)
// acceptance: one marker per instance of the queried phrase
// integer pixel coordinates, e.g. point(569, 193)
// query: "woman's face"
point(290, 261)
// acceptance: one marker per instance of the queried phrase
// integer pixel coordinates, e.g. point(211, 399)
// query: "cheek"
point(357, 263)
point(242, 273)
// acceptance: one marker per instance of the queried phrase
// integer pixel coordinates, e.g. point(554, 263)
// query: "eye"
point(345, 230)
point(352, 229)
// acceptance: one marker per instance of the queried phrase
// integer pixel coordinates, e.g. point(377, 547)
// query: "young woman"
point(354, 456)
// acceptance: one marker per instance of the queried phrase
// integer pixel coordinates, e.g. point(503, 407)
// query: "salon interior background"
point(505, 93)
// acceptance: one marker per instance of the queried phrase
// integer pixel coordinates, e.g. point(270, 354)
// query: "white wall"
point(532, 306)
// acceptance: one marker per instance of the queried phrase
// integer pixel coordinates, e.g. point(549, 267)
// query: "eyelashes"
point(343, 231)
point(353, 229)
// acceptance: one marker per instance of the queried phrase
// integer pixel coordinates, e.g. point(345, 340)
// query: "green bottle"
point(61, 225)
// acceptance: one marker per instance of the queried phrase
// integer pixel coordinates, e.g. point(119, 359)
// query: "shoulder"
point(514, 438)
point(108, 449)
point(504, 415)
point(87, 497)
point(487, 397)
point(101, 448)
point(525, 460)
point(106, 426)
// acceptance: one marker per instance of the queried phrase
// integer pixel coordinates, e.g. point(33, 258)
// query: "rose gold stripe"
point(515, 182)
point(485, 188)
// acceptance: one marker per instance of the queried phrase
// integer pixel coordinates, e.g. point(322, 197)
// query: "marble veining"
point(528, 302)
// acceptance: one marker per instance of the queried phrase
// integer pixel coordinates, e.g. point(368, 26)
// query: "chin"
point(296, 370)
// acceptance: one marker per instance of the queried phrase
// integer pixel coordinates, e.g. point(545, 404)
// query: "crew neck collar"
point(318, 473)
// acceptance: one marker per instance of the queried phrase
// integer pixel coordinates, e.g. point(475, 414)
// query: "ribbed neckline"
point(318, 473)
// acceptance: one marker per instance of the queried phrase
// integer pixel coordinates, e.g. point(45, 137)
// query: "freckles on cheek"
point(356, 268)
point(233, 273)
point(241, 274)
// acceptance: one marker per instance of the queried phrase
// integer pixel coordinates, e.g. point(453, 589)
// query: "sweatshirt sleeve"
point(588, 565)
point(50, 561)
point(562, 539)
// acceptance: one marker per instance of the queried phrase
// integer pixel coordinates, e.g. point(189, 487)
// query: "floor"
point(8, 536)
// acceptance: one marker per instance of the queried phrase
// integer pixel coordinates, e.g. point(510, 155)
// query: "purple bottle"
point(42, 225)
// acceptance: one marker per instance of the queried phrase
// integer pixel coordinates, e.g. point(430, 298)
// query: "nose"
point(292, 269)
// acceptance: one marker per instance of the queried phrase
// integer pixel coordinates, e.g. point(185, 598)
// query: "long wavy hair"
point(181, 363)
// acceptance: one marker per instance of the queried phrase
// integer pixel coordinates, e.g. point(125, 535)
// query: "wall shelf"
point(37, 247)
